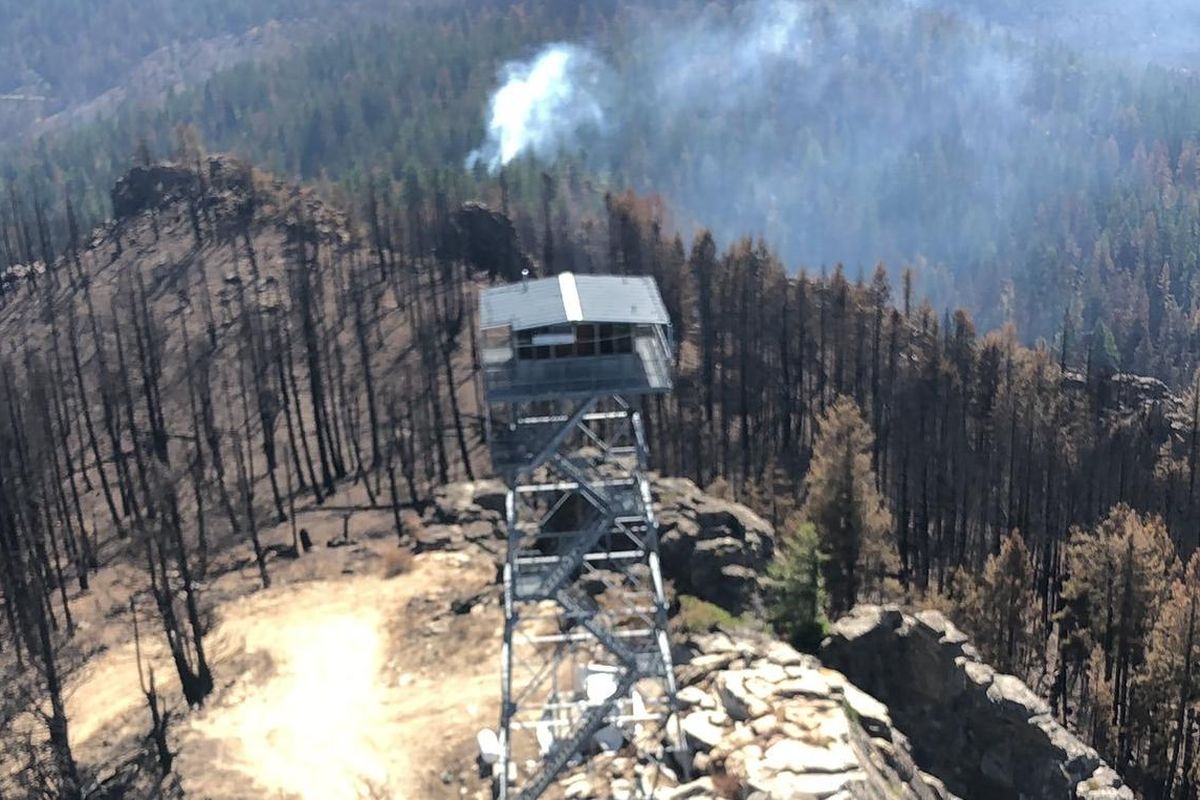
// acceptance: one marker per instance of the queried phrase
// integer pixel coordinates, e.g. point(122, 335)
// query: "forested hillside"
point(181, 380)
point(66, 60)
point(1046, 499)
point(1023, 179)
point(1161, 31)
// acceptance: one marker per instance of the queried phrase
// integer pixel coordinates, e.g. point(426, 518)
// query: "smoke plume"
point(759, 117)
point(929, 132)
point(543, 105)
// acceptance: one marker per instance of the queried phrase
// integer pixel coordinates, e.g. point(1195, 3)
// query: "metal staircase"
point(584, 611)
point(579, 517)
point(553, 579)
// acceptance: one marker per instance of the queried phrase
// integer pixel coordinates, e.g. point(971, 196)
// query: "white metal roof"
point(569, 298)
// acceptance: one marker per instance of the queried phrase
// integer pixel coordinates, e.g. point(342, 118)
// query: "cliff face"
point(986, 734)
point(893, 701)
point(711, 548)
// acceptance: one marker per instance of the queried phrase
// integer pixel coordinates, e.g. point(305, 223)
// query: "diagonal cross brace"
point(564, 750)
point(556, 441)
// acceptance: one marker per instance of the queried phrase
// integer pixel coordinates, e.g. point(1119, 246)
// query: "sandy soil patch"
point(338, 700)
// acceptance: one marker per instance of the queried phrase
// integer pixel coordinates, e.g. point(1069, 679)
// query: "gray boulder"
point(712, 549)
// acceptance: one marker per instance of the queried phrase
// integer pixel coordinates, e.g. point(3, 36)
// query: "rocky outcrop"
point(459, 513)
point(986, 734)
point(1124, 396)
point(222, 194)
point(487, 240)
point(711, 548)
point(766, 722)
point(145, 188)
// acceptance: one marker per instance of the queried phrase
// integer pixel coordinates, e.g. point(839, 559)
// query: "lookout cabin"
point(574, 336)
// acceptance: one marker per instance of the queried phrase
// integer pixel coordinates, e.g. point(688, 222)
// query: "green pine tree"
point(797, 587)
point(843, 503)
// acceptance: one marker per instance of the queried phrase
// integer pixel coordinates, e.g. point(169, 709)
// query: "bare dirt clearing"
point(331, 686)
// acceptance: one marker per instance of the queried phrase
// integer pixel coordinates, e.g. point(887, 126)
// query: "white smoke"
point(778, 118)
point(547, 104)
point(542, 105)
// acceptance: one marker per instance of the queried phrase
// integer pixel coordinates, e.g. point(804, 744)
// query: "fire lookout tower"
point(586, 660)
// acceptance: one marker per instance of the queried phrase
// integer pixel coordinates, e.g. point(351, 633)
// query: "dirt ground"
point(338, 683)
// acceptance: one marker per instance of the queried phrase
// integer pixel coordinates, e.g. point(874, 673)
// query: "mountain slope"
point(65, 61)
point(1024, 180)
point(256, 356)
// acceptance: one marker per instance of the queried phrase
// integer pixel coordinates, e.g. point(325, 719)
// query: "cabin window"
point(585, 339)
point(497, 346)
point(605, 334)
point(571, 341)
point(525, 350)
point(557, 341)
point(614, 338)
point(624, 338)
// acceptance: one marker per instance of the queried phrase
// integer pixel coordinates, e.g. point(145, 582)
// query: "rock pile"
point(766, 722)
point(986, 734)
point(461, 513)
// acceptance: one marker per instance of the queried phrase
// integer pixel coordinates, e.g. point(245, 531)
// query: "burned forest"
point(232, 346)
point(858, 344)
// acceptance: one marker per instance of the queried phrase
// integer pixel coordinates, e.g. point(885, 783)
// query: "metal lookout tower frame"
point(586, 659)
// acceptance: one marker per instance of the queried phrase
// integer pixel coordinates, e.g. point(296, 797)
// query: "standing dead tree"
point(28, 581)
point(160, 715)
